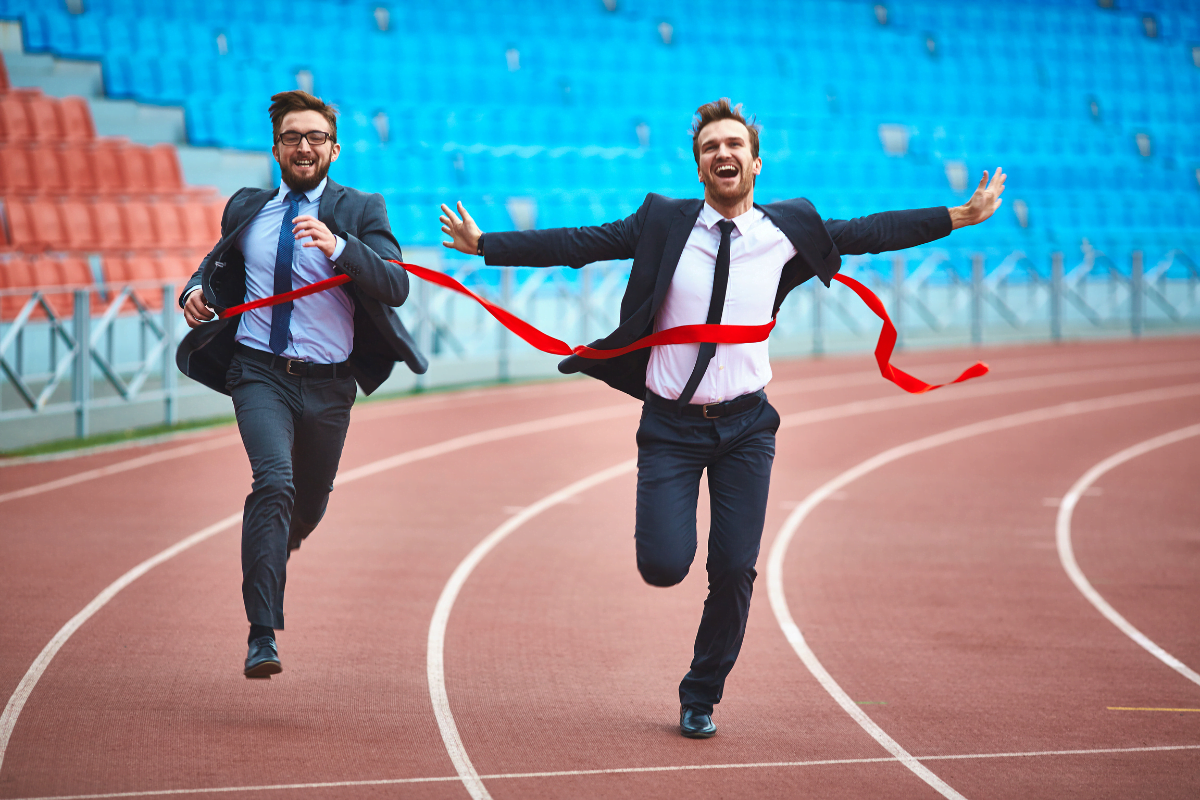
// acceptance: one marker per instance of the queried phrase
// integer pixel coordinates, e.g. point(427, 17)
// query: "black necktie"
point(715, 306)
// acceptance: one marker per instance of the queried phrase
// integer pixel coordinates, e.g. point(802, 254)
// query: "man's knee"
point(275, 483)
point(663, 570)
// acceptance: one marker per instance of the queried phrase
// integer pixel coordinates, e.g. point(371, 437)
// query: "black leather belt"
point(708, 410)
point(294, 366)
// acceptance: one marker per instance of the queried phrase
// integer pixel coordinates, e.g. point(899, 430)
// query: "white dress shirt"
point(321, 329)
point(757, 252)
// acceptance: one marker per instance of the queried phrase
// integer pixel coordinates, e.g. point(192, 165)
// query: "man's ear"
point(337, 149)
point(758, 166)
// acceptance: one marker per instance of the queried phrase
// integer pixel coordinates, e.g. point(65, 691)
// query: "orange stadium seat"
point(16, 173)
point(135, 169)
point(47, 224)
point(47, 170)
point(196, 229)
point(106, 167)
point(5, 85)
point(75, 120)
point(214, 210)
point(139, 228)
point(72, 273)
point(165, 174)
point(108, 225)
point(176, 269)
point(16, 273)
point(14, 120)
point(20, 224)
point(42, 113)
point(78, 228)
point(167, 227)
point(78, 175)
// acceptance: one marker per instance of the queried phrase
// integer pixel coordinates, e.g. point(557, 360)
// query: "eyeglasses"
point(292, 138)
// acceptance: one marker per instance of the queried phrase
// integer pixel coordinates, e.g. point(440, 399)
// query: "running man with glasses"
point(294, 369)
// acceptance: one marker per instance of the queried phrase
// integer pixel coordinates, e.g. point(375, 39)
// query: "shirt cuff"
point(188, 293)
point(338, 248)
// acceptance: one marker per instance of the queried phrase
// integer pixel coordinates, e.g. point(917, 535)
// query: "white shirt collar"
point(313, 195)
point(709, 217)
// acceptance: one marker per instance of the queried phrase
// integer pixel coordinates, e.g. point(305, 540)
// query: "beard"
point(734, 193)
point(299, 183)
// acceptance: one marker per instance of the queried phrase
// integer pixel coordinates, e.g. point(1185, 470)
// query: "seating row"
point(41, 225)
point(101, 167)
point(57, 276)
point(28, 115)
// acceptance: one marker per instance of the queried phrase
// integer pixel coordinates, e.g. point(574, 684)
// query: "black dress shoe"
point(263, 659)
point(695, 724)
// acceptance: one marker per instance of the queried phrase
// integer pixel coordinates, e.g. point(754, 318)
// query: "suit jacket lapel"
point(677, 236)
point(247, 212)
point(329, 199)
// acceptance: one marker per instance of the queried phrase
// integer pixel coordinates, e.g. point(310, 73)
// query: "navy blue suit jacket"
point(654, 237)
point(380, 340)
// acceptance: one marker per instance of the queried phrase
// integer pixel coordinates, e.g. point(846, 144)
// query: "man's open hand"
point(195, 311)
point(983, 203)
point(463, 231)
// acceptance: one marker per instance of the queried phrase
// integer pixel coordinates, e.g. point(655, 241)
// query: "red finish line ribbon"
point(684, 334)
point(887, 344)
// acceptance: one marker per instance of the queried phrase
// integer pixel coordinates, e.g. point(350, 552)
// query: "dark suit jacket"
point(654, 237)
point(380, 340)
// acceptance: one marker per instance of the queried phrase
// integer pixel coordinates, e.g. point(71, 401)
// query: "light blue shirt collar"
point(313, 195)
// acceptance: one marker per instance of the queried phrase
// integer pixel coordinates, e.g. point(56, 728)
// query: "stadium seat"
point(165, 174)
point(107, 170)
point(42, 115)
point(46, 167)
point(133, 161)
point(16, 173)
point(14, 119)
point(21, 234)
point(164, 217)
point(17, 272)
point(75, 120)
point(77, 170)
point(47, 224)
point(108, 225)
point(78, 226)
point(138, 225)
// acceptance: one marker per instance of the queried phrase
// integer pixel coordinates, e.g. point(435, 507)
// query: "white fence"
point(78, 352)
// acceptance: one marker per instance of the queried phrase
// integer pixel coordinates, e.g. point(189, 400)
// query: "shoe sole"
point(264, 669)
point(699, 734)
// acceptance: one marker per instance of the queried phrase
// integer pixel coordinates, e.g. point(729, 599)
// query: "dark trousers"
point(737, 451)
point(293, 429)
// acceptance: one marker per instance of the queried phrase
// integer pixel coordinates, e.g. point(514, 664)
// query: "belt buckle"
point(705, 409)
point(288, 367)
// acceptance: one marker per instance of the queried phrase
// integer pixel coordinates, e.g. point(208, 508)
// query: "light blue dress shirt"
point(322, 325)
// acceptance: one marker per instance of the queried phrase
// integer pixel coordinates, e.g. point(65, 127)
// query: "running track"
point(955, 594)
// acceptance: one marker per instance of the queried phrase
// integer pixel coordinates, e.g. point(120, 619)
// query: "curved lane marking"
point(779, 547)
point(1066, 553)
point(435, 665)
point(571, 773)
point(16, 702)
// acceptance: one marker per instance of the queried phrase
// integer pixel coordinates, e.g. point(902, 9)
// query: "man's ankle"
point(259, 631)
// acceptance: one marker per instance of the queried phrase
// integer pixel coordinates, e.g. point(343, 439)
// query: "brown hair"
point(721, 109)
point(285, 103)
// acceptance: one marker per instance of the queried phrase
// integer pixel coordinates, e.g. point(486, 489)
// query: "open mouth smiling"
point(303, 162)
point(726, 171)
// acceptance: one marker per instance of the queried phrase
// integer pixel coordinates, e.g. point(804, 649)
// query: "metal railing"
point(79, 349)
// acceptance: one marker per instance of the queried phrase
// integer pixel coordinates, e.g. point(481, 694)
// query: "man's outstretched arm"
point(552, 247)
point(897, 230)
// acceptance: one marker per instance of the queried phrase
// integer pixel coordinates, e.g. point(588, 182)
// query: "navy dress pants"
point(673, 452)
point(293, 429)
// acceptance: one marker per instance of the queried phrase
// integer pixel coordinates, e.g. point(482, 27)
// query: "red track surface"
point(930, 589)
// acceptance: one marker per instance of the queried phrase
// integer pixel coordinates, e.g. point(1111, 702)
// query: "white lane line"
point(775, 590)
point(617, 771)
point(16, 702)
point(989, 388)
point(436, 660)
point(1066, 553)
point(8, 720)
point(183, 451)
